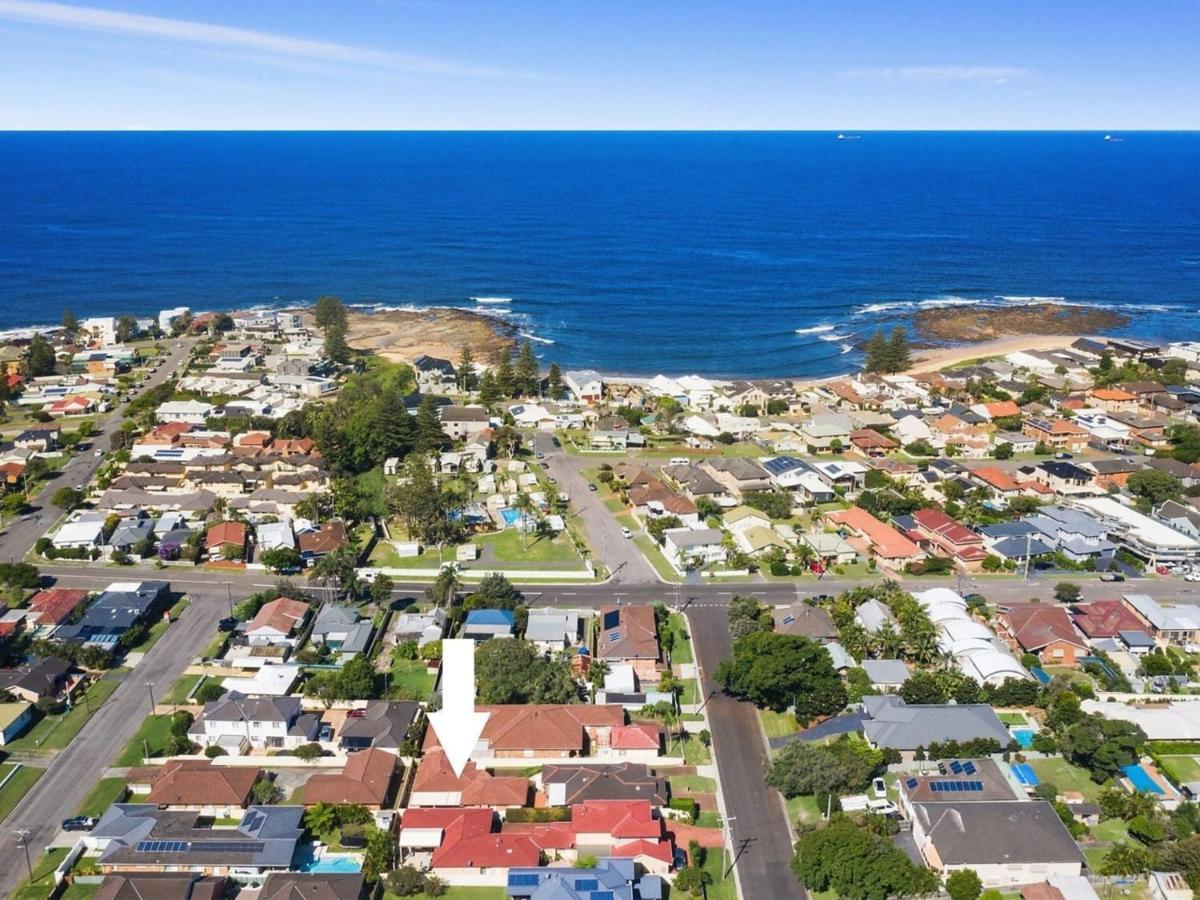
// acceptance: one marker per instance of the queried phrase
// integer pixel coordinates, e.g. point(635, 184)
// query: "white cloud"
point(93, 19)
point(993, 74)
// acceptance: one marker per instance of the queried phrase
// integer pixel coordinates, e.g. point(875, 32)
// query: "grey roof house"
point(384, 725)
point(341, 629)
point(873, 615)
point(552, 629)
point(141, 837)
point(890, 722)
point(608, 879)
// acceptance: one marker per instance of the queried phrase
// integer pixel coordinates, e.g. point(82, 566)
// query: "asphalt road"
point(761, 845)
point(73, 773)
point(20, 535)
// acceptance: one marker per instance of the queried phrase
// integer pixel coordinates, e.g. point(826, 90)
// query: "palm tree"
point(445, 587)
point(320, 818)
point(524, 505)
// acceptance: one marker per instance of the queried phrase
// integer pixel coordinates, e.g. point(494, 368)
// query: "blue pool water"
point(1023, 736)
point(1025, 774)
point(1141, 780)
point(307, 861)
point(510, 516)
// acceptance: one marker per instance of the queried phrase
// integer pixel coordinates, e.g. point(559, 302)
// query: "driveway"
point(616, 551)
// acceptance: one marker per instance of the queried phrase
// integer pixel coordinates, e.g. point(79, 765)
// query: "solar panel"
point(912, 783)
point(955, 786)
point(162, 846)
point(612, 619)
point(524, 879)
point(587, 884)
point(789, 619)
point(231, 846)
point(969, 768)
point(602, 895)
point(956, 767)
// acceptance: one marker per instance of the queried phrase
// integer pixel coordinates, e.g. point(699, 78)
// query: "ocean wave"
point(847, 348)
point(835, 337)
point(940, 302)
point(816, 329)
point(891, 306)
point(530, 336)
point(1026, 299)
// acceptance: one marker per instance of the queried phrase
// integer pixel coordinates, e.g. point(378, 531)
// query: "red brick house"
point(1043, 630)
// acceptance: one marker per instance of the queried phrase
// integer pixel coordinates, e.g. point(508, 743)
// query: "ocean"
point(724, 254)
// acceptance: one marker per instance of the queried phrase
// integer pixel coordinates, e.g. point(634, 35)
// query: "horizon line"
point(516, 130)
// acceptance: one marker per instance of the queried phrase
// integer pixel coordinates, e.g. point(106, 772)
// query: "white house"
point(193, 412)
point(239, 722)
point(167, 317)
point(587, 385)
point(689, 548)
point(86, 533)
point(102, 329)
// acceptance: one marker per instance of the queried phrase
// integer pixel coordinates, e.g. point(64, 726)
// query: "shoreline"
point(938, 358)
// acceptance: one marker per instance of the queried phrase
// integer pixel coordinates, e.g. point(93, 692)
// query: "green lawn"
point(410, 680)
point(716, 862)
point(1066, 777)
point(778, 724)
point(55, 731)
point(17, 787)
point(43, 874)
point(1180, 768)
point(681, 651)
point(691, 691)
point(152, 734)
point(803, 809)
point(654, 554)
point(1095, 857)
point(181, 688)
point(699, 784)
point(79, 892)
point(510, 546)
point(384, 555)
point(106, 792)
point(1111, 830)
point(1013, 718)
point(708, 818)
point(695, 753)
point(159, 628)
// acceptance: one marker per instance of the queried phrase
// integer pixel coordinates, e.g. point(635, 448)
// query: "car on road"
point(1112, 576)
point(556, 442)
point(99, 454)
point(552, 480)
point(545, 465)
point(1062, 454)
point(79, 823)
point(626, 533)
point(541, 455)
point(592, 488)
point(227, 624)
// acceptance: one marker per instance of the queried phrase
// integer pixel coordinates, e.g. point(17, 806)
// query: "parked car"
point(1112, 576)
point(1062, 454)
point(545, 465)
point(227, 624)
point(79, 823)
point(326, 733)
point(592, 488)
point(541, 455)
point(625, 532)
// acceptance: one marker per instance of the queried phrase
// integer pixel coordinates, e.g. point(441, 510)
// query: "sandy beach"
point(942, 357)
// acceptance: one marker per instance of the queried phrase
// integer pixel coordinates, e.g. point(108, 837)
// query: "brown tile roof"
point(196, 783)
point(312, 886)
point(283, 614)
point(869, 438)
point(223, 533)
point(885, 540)
point(329, 537)
point(1106, 618)
point(478, 787)
point(366, 780)
point(55, 605)
point(1036, 625)
point(547, 727)
point(627, 632)
point(161, 886)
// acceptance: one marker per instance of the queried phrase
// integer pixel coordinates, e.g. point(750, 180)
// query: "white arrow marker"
point(457, 724)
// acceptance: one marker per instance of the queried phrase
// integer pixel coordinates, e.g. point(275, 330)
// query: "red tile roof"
point(954, 536)
point(282, 614)
point(55, 605)
point(541, 726)
point(233, 533)
point(1002, 409)
point(997, 478)
point(465, 847)
point(636, 737)
point(623, 819)
point(1105, 618)
point(197, 783)
point(1036, 625)
point(366, 779)
point(477, 787)
point(885, 540)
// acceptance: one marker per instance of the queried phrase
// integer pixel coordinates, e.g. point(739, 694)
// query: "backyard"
point(409, 679)
point(1065, 777)
point(151, 736)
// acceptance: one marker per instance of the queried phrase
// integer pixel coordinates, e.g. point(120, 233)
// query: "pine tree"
point(69, 323)
point(899, 357)
point(526, 373)
point(466, 369)
point(504, 375)
point(876, 353)
point(429, 428)
point(489, 393)
point(555, 383)
point(335, 343)
point(39, 359)
point(329, 311)
point(397, 427)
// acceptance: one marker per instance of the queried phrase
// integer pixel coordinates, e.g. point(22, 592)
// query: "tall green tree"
point(39, 357)
point(554, 382)
point(127, 329)
point(69, 323)
point(747, 615)
point(876, 353)
point(336, 347)
point(429, 434)
point(329, 311)
point(778, 671)
point(466, 369)
point(489, 391)
point(505, 376)
point(899, 356)
point(525, 374)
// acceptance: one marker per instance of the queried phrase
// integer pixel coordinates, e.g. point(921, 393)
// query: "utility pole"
point(23, 836)
point(1028, 550)
point(729, 820)
point(150, 690)
point(229, 594)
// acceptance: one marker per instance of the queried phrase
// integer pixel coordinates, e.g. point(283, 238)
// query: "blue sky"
point(579, 64)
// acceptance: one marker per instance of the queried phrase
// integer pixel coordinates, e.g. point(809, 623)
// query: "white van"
point(679, 460)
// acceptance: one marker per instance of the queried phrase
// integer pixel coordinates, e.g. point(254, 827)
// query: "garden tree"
point(1129, 859)
point(781, 670)
point(280, 559)
point(1012, 692)
point(964, 884)
point(67, 498)
point(776, 504)
point(445, 587)
point(378, 857)
point(335, 346)
point(693, 880)
point(507, 440)
point(858, 685)
point(1173, 371)
point(423, 504)
point(876, 353)
point(69, 323)
point(513, 671)
point(1154, 485)
point(367, 424)
point(381, 589)
point(489, 391)
point(899, 357)
point(466, 369)
point(329, 311)
point(208, 692)
point(496, 592)
point(39, 357)
point(524, 505)
point(505, 378)
point(20, 575)
point(525, 373)
point(264, 792)
point(337, 569)
point(554, 382)
point(429, 427)
point(1102, 746)
point(747, 615)
point(1067, 592)
point(126, 329)
point(1185, 442)
point(658, 527)
point(408, 881)
point(923, 687)
point(858, 865)
point(843, 766)
point(777, 407)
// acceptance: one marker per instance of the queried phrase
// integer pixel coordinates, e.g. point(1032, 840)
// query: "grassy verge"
point(681, 651)
point(654, 555)
point(42, 883)
point(54, 732)
point(722, 888)
point(695, 753)
point(778, 724)
point(697, 784)
point(181, 688)
point(803, 809)
point(17, 787)
point(106, 792)
point(152, 736)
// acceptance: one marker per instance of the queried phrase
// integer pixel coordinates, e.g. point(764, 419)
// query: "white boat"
point(849, 137)
point(492, 299)
point(1112, 139)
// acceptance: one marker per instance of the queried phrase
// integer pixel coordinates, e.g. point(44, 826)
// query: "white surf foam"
point(816, 329)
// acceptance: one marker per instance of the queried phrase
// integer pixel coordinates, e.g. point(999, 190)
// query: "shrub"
point(686, 805)
point(213, 751)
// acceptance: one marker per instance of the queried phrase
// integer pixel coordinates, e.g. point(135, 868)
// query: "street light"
point(23, 836)
point(150, 690)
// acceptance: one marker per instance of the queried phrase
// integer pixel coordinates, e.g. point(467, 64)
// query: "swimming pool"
point(1141, 780)
point(1023, 736)
point(307, 860)
point(1024, 774)
point(509, 515)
